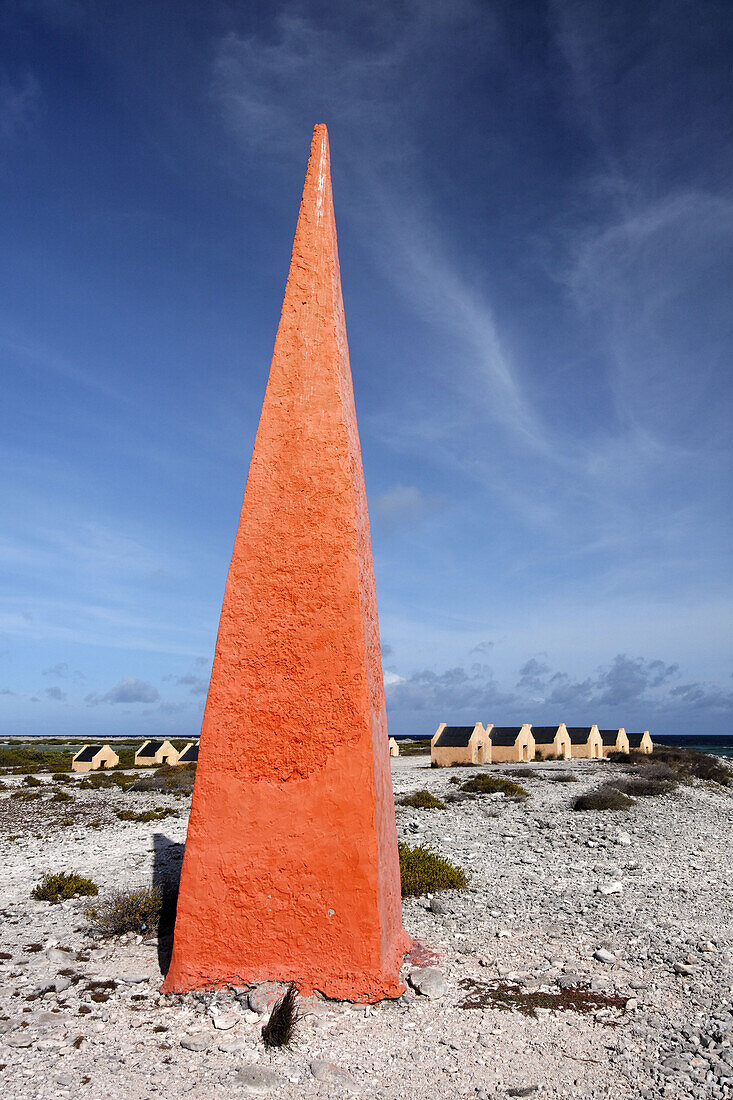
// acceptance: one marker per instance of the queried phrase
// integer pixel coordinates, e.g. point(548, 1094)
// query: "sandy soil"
point(655, 1018)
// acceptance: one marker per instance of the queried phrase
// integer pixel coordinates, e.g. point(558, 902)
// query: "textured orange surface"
point(291, 869)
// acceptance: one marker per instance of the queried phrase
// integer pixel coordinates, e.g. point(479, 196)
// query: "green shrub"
point(491, 784)
point(27, 796)
point(60, 777)
point(31, 781)
point(688, 763)
point(454, 780)
point(62, 796)
point(135, 910)
point(562, 777)
point(424, 872)
point(605, 798)
point(60, 886)
point(422, 800)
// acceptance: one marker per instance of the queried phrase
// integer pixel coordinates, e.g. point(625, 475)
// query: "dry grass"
point(278, 1031)
point(127, 911)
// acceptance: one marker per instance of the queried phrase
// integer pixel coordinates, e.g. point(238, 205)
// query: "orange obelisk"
point(291, 869)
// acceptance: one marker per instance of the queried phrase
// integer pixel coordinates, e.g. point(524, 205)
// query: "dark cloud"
point(532, 675)
point(7, 691)
point(703, 697)
point(197, 684)
point(483, 647)
point(56, 694)
point(451, 691)
point(128, 690)
point(387, 650)
point(59, 671)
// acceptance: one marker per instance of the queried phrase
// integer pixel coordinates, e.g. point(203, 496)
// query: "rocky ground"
point(610, 930)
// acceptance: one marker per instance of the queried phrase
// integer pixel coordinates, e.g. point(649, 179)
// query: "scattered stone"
point(257, 1079)
point(429, 981)
point(333, 1075)
point(607, 888)
point(522, 1090)
point(438, 906)
point(225, 1021)
point(19, 1039)
point(262, 998)
point(234, 1044)
point(196, 1041)
point(604, 956)
point(61, 984)
point(134, 979)
point(623, 838)
point(58, 956)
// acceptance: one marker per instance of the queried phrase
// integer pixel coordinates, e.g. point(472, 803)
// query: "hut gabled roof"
point(87, 754)
point(579, 734)
point(609, 737)
point(544, 735)
point(504, 735)
point(149, 748)
point(455, 737)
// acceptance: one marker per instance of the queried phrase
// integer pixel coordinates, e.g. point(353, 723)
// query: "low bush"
point(425, 872)
point(31, 781)
point(455, 780)
point(62, 796)
point(168, 780)
point(422, 800)
point(562, 777)
point(135, 910)
point(493, 784)
point(687, 763)
point(27, 796)
point(145, 815)
point(61, 777)
point(61, 885)
point(524, 773)
point(605, 798)
point(640, 787)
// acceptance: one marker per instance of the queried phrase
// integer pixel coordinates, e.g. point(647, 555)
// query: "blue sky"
point(535, 226)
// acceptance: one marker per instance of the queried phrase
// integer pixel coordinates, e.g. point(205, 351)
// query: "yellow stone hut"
point(394, 748)
point(460, 745)
point(189, 754)
point(552, 741)
point(614, 741)
point(640, 742)
point(152, 753)
point(511, 744)
point(586, 742)
point(93, 757)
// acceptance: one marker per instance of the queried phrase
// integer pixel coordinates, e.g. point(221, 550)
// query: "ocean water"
point(722, 745)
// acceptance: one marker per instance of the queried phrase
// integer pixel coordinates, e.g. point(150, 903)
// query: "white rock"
point(196, 1041)
point(257, 1079)
point(333, 1075)
point(607, 888)
point(225, 1021)
point(429, 981)
point(604, 956)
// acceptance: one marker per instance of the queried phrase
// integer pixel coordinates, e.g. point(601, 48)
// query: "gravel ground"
point(625, 915)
